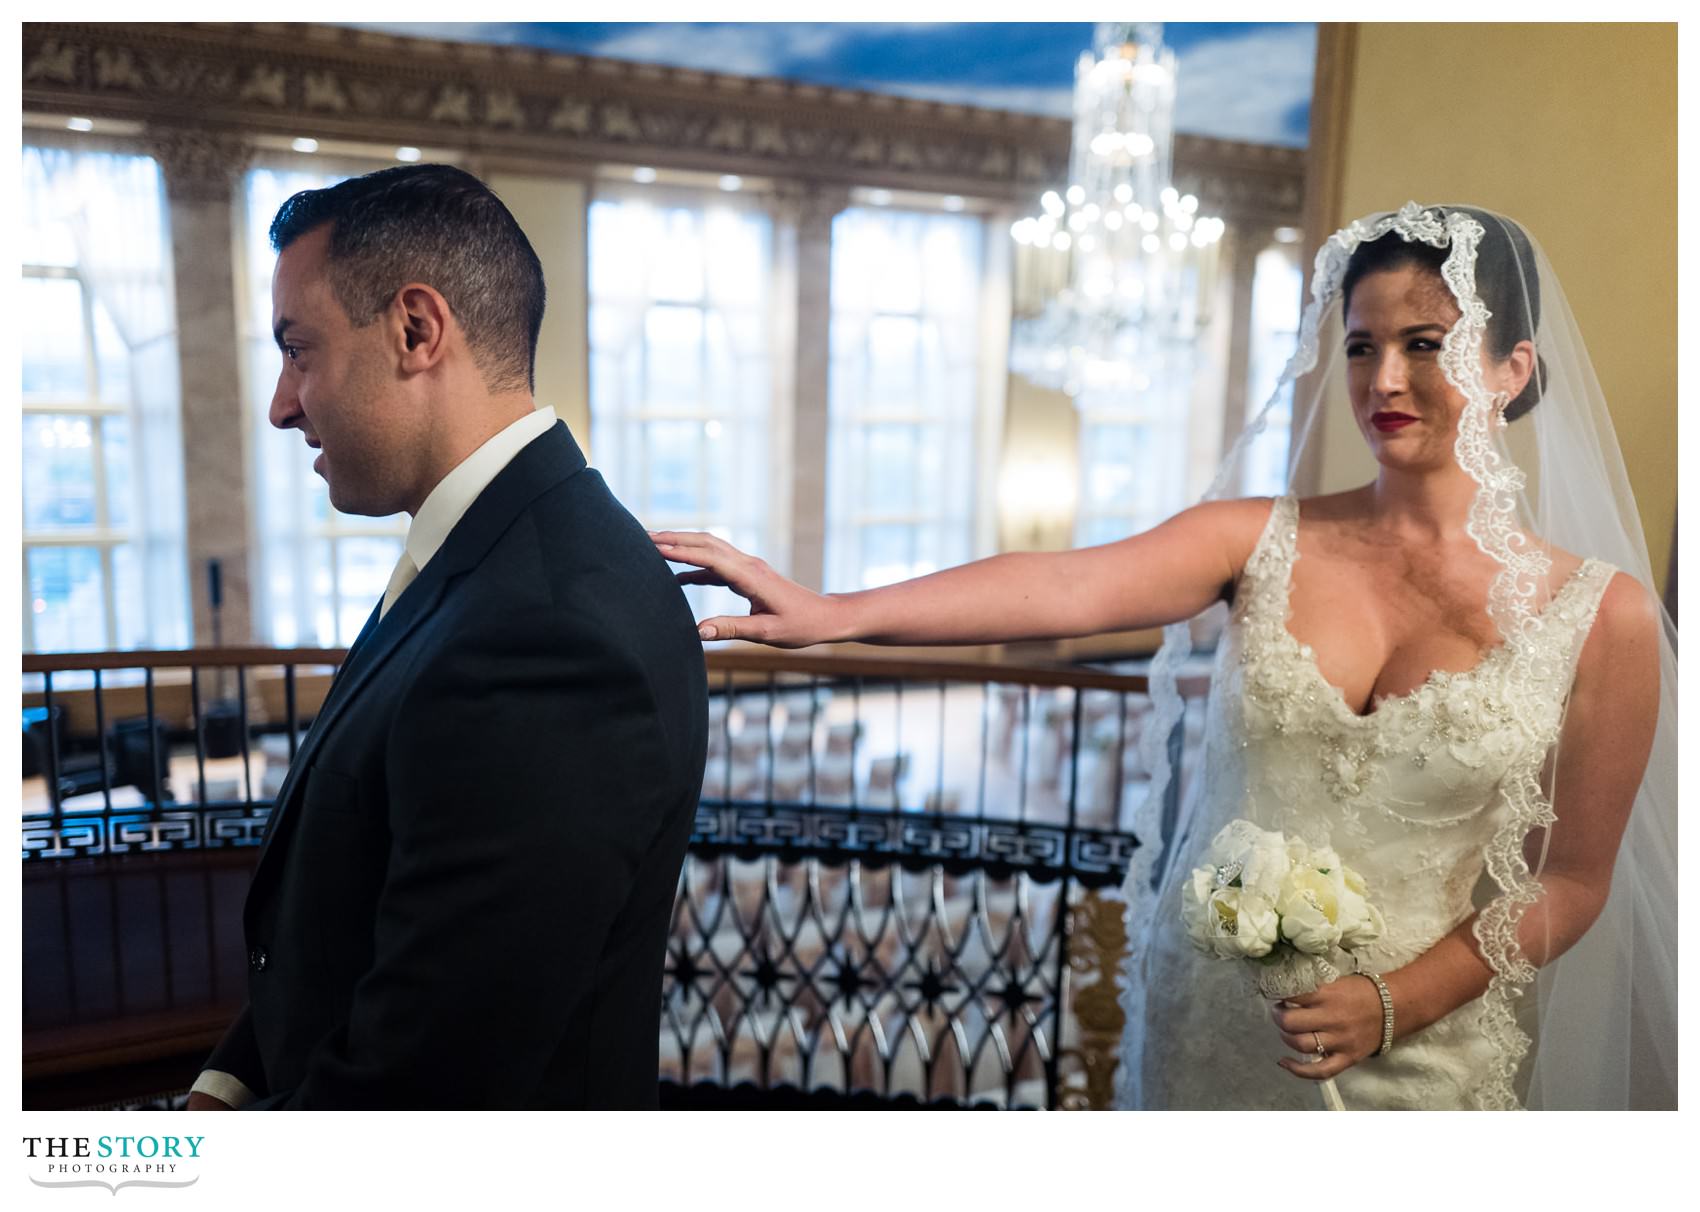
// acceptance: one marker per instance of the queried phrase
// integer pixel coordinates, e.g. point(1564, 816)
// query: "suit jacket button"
point(258, 959)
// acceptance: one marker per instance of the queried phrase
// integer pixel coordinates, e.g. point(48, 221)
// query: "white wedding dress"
point(1408, 795)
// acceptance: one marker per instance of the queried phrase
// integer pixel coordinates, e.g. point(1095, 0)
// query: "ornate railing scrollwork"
point(1099, 931)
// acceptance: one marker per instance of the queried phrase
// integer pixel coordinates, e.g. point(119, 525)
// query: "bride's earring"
point(1500, 402)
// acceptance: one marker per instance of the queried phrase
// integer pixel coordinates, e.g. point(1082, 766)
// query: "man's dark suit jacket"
point(465, 891)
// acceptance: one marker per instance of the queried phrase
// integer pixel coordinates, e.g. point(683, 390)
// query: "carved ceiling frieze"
point(522, 103)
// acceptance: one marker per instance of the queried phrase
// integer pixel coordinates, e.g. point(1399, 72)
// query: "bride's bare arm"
point(1167, 573)
point(1608, 734)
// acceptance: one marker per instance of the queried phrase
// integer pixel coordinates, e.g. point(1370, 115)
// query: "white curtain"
point(105, 215)
point(903, 395)
point(682, 378)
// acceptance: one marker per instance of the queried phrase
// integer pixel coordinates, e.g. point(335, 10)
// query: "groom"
point(464, 894)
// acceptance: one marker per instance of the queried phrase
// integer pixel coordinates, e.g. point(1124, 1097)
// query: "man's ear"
point(421, 316)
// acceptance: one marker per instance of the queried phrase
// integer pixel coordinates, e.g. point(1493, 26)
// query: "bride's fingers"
point(1315, 1070)
point(1304, 1042)
point(732, 627)
point(692, 547)
point(694, 540)
point(729, 563)
point(681, 554)
point(1298, 1021)
point(680, 538)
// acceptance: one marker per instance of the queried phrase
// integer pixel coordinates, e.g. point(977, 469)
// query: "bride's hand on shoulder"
point(782, 612)
point(1344, 1016)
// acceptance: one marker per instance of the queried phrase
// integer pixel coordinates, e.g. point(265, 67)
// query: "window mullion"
point(703, 451)
point(73, 538)
point(109, 596)
point(97, 449)
point(97, 464)
point(643, 402)
point(91, 368)
point(334, 555)
point(29, 603)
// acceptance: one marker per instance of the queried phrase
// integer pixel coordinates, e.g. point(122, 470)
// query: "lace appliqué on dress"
point(1423, 791)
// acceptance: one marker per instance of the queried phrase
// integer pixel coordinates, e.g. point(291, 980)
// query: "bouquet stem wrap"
point(1292, 974)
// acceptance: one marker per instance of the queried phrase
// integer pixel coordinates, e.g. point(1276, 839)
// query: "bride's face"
point(1404, 407)
point(1406, 410)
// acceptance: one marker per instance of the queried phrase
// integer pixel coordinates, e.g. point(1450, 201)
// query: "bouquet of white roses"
point(1290, 909)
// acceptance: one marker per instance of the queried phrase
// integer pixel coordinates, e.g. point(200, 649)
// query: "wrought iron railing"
point(187, 759)
point(900, 885)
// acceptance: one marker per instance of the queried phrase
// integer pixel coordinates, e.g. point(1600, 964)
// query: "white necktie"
point(400, 579)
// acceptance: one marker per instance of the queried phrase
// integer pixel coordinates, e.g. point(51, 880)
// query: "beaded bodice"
point(1409, 794)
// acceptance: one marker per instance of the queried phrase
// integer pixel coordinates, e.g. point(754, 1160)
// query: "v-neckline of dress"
point(1336, 695)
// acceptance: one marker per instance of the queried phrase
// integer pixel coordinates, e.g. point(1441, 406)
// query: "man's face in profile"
point(338, 384)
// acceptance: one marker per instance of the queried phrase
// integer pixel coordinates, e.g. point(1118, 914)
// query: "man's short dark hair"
point(435, 224)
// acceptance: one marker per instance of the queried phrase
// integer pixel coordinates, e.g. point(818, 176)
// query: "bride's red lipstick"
point(1389, 422)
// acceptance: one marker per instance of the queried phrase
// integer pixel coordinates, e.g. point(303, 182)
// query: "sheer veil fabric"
point(1597, 1028)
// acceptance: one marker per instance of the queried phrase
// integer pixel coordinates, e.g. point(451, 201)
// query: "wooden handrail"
point(911, 668)
point(179, 658)
point(742, 659)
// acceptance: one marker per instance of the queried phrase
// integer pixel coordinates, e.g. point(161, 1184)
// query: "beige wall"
point(1571, 129)
point(551, 212)
point(1040, 442)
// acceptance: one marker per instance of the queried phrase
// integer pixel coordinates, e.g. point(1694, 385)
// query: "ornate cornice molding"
point(570, 111)
point(1245, 183)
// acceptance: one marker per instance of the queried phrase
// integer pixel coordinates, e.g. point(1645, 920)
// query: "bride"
point(1454, 675)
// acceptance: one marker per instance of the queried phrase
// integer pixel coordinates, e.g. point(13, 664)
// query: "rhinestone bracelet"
point(1386, 1014)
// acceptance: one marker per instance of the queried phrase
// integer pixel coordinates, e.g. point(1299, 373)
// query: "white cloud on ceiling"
point(1243, 87)
point(506, 32)
point(744, 50)
point(1237, 87)
point(1240, 87)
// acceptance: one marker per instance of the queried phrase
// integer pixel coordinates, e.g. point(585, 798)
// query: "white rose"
point(1310, 911)
point(1360, 922)
point(1256, 857)
point(1242, 924)
point(1233, 840)
point(1376, 928)
point(1195, 907)
point(1266, 866)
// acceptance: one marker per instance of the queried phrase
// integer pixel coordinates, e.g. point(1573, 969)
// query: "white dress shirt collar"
point(455, 492)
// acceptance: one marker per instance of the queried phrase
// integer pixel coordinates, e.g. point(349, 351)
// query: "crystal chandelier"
point(1137, 258)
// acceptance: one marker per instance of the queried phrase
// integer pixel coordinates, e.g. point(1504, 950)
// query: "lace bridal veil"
point(1597, 1027)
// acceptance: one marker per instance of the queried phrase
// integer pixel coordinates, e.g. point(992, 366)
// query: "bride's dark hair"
point(1506, 281)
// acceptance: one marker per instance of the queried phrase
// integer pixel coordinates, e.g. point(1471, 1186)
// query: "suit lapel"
point(317, 728)
point(542, 464)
